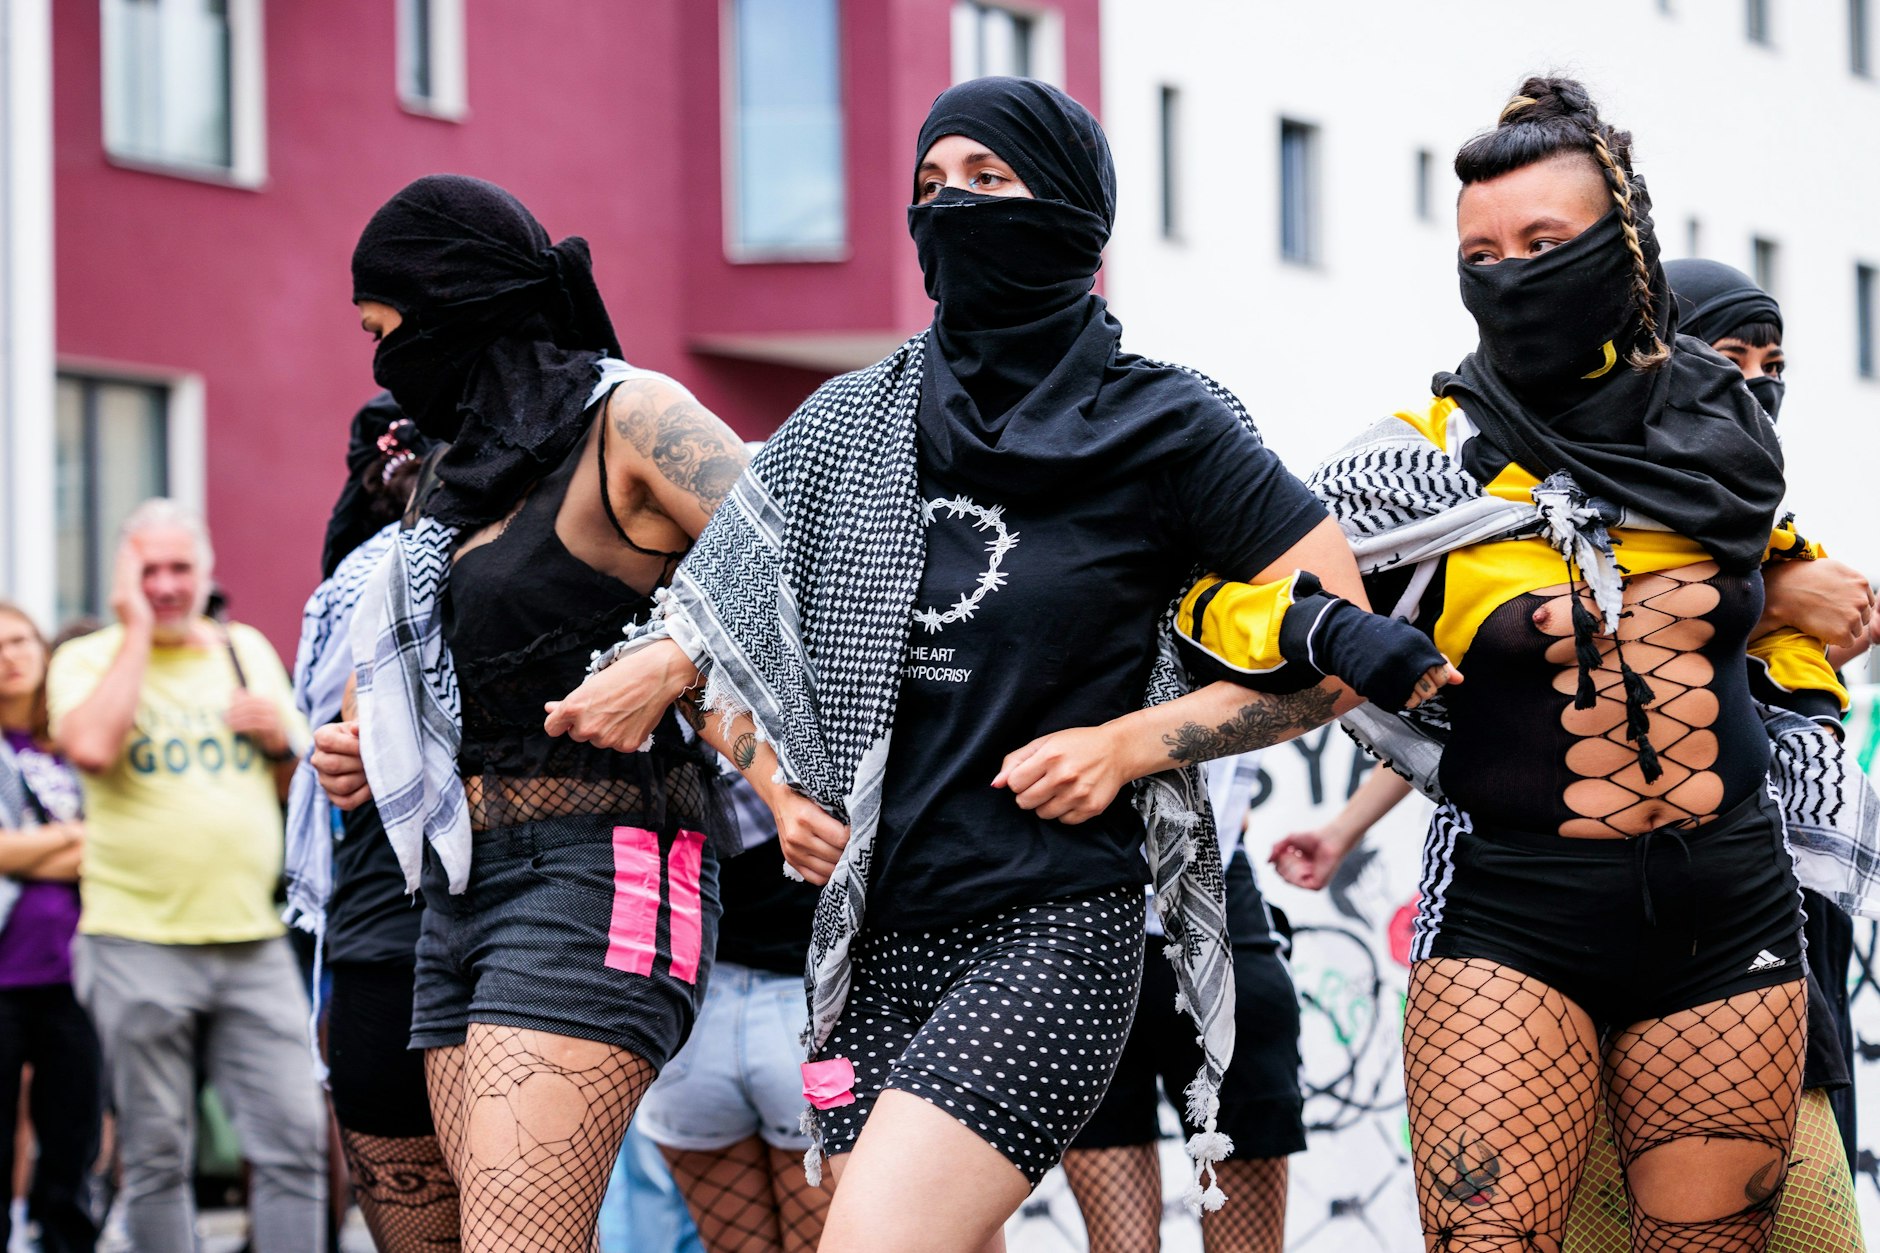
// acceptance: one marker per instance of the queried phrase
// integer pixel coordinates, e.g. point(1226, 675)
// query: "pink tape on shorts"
point(829, 1084)
point(633, 932)
point(688, 926)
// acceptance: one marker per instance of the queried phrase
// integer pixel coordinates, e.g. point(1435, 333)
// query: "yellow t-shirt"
point(184, 829)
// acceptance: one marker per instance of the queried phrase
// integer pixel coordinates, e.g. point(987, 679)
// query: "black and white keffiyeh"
point(795, 603)
point(1402, 500)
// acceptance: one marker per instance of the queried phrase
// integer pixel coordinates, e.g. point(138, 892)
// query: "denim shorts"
point(739, 1075)
point(583, 926)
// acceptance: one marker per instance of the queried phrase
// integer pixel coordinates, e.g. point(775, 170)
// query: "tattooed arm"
point(670, 453)
point(1074, 775)
point(812, 839)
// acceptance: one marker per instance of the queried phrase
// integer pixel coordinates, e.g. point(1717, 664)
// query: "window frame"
point(1866, 314)
point(1860, 39)
point(1425, 193)
point(448, 99)
point(1765, 264)
point(1169, 161)
point(1311, 252)
point(736, 251)
point(1758, 23)
point(184, 477)
point(1045, 47)
point(247, 104)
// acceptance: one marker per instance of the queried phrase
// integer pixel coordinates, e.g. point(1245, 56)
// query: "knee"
point(1707, 1180)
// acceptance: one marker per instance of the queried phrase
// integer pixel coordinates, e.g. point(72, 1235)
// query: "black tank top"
point(1520, 755)
point(523, 616)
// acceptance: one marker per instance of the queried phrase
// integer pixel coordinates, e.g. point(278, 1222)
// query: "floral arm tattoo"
point(692, 449)
point(1265, 719)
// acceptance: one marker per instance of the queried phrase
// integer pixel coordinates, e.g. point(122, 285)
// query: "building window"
point(996, 39)
point(1864, 314)
point(1693, 237)
point(1763, 255)
point(1298, 192)
point(1756, 21)
point(1170, 124)
point(789, 190)
point(1859, 39)
point(112, 441)
point(1425, 185)
point(431, 58)
point(183, 86)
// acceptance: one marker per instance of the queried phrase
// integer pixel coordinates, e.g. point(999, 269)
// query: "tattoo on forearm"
point(1466, 1173)
point(686, 444)
point(744, 750)
point(689, 709)
point(1262, 721)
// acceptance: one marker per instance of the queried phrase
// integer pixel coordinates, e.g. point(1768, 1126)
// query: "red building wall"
point(605, 119)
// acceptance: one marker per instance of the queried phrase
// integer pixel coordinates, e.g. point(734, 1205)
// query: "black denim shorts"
point(584, 926)
point(1629, 929)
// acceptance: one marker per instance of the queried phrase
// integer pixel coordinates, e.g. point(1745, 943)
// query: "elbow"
point(87, 754)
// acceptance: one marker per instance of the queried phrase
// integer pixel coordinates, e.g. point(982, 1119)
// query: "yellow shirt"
point(185, 827)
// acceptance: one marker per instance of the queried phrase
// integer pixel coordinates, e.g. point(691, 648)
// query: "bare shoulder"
point(675, 437)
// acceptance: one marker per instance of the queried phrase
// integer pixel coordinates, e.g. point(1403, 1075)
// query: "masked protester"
point(974, 544)
point(570, 893)
point(1581, 515)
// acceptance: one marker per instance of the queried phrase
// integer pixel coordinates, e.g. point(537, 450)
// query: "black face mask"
point(1544, 321)
point(1768, 389)
point(1004, 261)
point(423, 378)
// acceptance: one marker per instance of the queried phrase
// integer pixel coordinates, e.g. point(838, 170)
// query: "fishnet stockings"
point(1703, 1108)
point(1501, 1081)
point(1818, 1213)
point(1658, 639)
point(405, 1191)
point(750, 1198)
point(1119, 1191)
point(531, 1123)
point(1254, 1218)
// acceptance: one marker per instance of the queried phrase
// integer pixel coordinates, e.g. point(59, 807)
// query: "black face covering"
point(499, 340)
point(355, 517)
point(1717, 300)
point(1545, 321)
point(1768, 389)
point(1684, 444)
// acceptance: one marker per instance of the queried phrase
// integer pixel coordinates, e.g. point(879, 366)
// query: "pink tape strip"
point(633, 933)
point(828, 1084)
point(688, 928)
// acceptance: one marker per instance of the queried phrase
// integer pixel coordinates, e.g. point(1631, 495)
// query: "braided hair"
point(1551, 116)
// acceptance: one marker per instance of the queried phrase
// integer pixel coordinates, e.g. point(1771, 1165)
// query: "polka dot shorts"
point(1012, 1024)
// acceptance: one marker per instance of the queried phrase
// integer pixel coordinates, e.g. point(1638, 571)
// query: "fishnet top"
point(1521, 754)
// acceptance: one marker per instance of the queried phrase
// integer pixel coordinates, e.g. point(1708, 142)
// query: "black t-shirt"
point(767, 916)
point(370, 917)
point(1039, 614)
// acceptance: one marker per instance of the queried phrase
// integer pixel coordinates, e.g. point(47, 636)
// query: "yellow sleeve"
point(73, 674)
point(1787, 542)
point(1227, 630)
point(1791, 670)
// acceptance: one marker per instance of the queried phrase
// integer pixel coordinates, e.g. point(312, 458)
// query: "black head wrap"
point(499, 341)
point(1549, 386)
point(357, 514)
point(1717, 300)
point(1026, 387)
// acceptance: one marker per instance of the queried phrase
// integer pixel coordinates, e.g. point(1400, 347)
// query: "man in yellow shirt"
point(184, 734)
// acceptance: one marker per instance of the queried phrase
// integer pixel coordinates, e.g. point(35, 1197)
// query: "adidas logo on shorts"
point(1766, 960)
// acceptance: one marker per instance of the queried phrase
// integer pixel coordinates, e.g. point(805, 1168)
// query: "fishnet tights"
point(1119, 1191)
point(1818, 1213)
point(750, 1198)
point(1254, 1218)
point(405, 1191)
point(1501, 1078)
point(531, 1123)
point(1658, 639)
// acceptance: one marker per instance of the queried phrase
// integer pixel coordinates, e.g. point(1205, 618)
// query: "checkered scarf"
point(796, 605)
point(1403, 500)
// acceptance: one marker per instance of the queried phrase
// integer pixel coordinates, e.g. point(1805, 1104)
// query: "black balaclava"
point(355, 519)
point(500, 336)
point(1684, 443)
point(1020, 341)
point(1717, 300)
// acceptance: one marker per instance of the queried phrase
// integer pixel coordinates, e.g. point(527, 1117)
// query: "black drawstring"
point(1641, 868)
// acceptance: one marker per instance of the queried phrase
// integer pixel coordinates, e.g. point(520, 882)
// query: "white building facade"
point(1286, 224)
